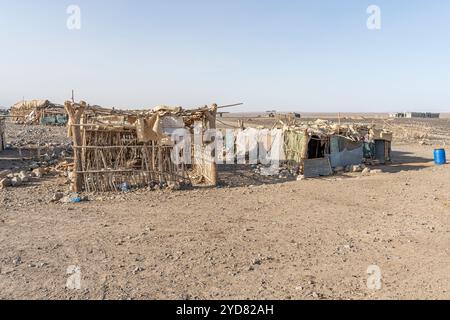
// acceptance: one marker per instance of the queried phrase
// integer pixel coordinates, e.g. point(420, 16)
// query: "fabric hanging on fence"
point(294, 143)
point(149, 129)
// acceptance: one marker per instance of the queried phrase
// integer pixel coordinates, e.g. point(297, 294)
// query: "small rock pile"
point(8, 178)
point(21, 136)
point(274, 171)
point(360, 168)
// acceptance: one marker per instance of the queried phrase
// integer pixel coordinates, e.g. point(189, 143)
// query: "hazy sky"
point(309, 56)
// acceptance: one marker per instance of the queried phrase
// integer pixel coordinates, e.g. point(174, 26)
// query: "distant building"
point(38, 112)
point(411, 115)
point(271, 114)
point(283, 115)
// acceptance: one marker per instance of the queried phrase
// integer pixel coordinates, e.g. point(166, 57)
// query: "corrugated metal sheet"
point(347, 158)
point(345, 152)
point(314, 168)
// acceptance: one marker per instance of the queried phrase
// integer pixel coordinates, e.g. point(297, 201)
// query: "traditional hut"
point(38, 112)
point(117, 150)
point(319, 147)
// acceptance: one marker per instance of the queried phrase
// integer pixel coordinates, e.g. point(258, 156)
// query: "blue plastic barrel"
point(440, 157)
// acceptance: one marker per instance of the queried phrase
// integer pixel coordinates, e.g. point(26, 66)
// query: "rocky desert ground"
point(250, 238)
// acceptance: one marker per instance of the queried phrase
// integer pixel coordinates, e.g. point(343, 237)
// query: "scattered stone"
point(16, 182)
point(65, 199)
point(301, 177)
point(173, 186)
point(5, 271)
point(366, 171)
point(24, 176)
point(269, 172)
point(137, 270)
point(357, 168)
point(38, 172)
point(57, 197)
point(5, 183)
point(17, 261)
point(256, 262)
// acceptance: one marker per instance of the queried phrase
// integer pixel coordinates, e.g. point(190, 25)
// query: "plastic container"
point(76, 200)
point(440, 157)
point(125, 187)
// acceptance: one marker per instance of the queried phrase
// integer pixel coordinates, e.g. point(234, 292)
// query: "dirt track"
point(309, 239)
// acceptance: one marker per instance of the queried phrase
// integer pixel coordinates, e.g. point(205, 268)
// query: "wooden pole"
point(75, 112)
point(339, 127)
point(212, 115)
point(230, 106)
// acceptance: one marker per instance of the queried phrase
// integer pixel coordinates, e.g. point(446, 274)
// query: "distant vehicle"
point(272, 113)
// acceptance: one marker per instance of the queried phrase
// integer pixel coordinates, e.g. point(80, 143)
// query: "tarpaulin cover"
point(347, 158)
point(54, 119)
point(345, 152)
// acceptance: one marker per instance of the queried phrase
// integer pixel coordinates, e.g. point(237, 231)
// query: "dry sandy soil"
point(312, 239)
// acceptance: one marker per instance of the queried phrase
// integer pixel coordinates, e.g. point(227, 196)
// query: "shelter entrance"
point(316, 148)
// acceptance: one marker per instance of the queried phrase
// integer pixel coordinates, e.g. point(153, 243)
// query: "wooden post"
point(75, 112)
point(197, 148)
point(211, 115)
